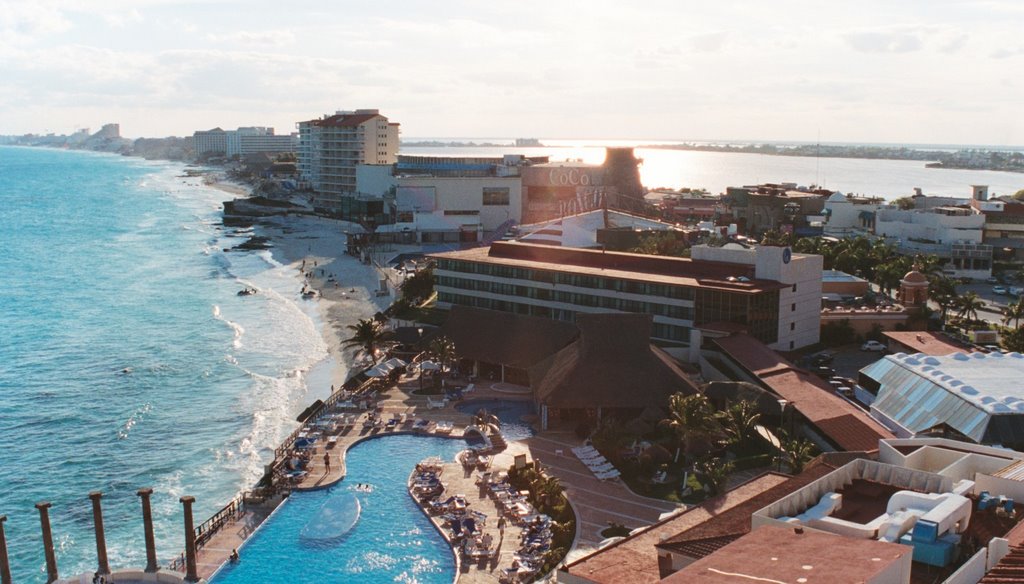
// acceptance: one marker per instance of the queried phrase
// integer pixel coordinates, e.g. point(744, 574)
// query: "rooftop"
point(837, 276)
point(925, 342)
point(776, 554)
point(635, 558)
point(625, 266)
point(989, 381)
point(848, 426)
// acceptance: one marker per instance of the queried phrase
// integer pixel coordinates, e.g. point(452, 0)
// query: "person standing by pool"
point(327, 462)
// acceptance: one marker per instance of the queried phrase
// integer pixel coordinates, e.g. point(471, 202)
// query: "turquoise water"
point(393, 541)
point(510, 412)
point(127, 358)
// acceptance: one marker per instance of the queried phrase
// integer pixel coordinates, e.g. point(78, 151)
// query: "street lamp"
point(782, 420)
point(420, 346)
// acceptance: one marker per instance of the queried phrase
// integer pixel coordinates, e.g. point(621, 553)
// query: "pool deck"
point(596, 502)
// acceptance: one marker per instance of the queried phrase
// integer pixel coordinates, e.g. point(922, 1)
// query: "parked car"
point(1016, 290)
point(999, 290)
point(873, 346)
point(992, 280)
point(823, 371)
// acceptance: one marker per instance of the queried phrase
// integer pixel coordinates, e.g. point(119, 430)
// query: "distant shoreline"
point(967, 159)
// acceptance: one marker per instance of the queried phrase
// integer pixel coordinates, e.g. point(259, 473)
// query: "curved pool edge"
point(360, 440)
point(444, 536)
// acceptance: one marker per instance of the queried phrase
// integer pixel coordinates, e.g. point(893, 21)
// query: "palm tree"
point(715, 472)
point(692, 419)
point(548, 490)
point(442, 349)
point(739, 420)
point(942, 291)
point(796, 452)
point(1014, 312)
point(368, 333)
point(968, 306)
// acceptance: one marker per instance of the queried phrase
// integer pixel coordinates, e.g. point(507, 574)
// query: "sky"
point(938, 71)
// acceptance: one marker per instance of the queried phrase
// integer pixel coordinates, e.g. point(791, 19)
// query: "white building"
point(210, 142)
point(241, 142)
point(846, 217)
point(332, 147)
point(799, 301)
point(951, 233)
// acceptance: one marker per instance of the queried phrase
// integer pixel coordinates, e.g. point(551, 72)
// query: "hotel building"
point(331, 147)
point(772, 293)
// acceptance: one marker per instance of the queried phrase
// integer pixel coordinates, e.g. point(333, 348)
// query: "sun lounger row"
point(597, 463)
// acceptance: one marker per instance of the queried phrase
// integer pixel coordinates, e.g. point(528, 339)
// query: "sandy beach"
point(346, 288)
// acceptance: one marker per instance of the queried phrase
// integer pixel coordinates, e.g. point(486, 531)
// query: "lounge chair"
point(438, 405)
point(604, 476)
point(469, 388)
point(600, 468)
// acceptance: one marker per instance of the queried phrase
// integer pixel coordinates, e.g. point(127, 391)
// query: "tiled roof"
point(926, 342)
point(843, 423)
point(345, 120)
point(1009, 570)
point(701, 539)
point(635, 559)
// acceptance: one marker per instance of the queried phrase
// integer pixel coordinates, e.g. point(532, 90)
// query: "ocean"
point(714, 171)
point(127, 358)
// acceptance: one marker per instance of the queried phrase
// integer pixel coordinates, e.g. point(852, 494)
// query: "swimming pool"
point(510, 412)
point(392, 541)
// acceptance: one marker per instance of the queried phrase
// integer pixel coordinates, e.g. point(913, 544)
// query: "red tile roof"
point(345, 120)
point(778, 554)
point(843, 423)
point(727, 526)
point(926, 342)
point(635, 559)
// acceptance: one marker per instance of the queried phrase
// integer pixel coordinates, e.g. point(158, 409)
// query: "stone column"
point(101, 540)
point(147, 521)
point(190, 541)
point(5, 565)
point(51, 557)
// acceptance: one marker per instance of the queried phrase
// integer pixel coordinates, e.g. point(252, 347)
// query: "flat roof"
point(624, 266)
point(777, 554)
point(926, 342)
point(837, 276)
point(990, 381)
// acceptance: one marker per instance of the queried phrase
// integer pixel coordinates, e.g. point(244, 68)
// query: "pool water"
point(510, 412)
point(392, 541)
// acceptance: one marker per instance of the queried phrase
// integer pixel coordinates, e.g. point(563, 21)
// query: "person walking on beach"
point(501, 526)
point(327, 462)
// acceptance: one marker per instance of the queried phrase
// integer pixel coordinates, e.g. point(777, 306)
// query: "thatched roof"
point(612, 364)
point(505, 338)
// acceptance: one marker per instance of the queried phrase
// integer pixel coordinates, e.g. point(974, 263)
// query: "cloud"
point(1005, 53)
point(265, 38)
point(885, 41)
point(29, 20)
point(121, 19)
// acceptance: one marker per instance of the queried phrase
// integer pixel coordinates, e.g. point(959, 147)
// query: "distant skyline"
point(937, 72)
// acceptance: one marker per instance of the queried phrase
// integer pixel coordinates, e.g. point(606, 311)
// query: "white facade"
point(332, 147)
point(491, 200)
point(845, 217)
point(799, 303)
point(210, 142)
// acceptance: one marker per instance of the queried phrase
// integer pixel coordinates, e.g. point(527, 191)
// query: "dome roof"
point(837, 197)
point(915, 277)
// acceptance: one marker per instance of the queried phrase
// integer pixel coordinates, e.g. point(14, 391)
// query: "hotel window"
point(495, 196)
point(793, 309)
